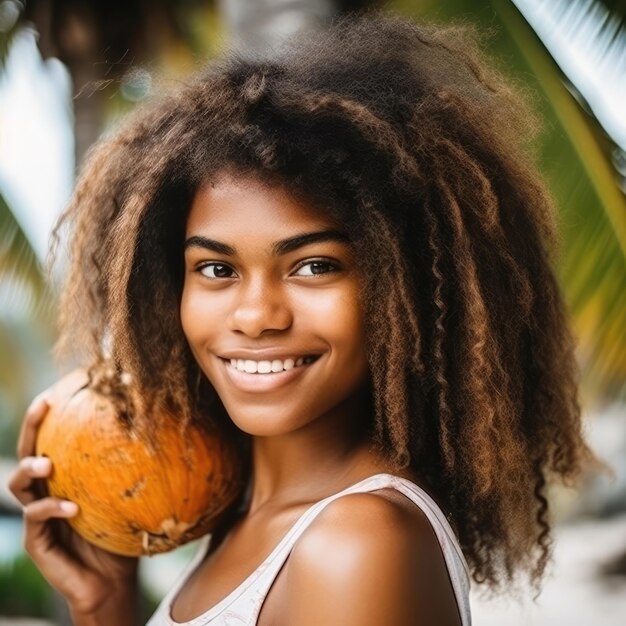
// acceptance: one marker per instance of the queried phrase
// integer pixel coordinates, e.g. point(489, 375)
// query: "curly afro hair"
point(407, 136)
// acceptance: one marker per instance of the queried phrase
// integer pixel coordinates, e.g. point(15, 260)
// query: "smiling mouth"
point(274, 366)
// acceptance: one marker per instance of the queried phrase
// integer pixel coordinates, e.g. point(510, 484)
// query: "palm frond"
point(593, 208)
point(576, 157)
point(23, 289)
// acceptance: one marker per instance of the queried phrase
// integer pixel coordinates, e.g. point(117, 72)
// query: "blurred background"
point(69, 70)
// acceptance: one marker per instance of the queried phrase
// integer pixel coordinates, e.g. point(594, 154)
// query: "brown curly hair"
point(421, 150)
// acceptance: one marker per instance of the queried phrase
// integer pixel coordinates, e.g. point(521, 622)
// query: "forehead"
point(234, 207)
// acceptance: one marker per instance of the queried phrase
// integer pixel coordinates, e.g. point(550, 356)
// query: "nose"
point(260, 307)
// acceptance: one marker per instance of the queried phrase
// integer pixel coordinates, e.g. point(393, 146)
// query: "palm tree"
point(104, 43)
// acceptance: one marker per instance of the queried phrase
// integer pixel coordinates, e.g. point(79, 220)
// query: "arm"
point(120, 608)
point(367, 561)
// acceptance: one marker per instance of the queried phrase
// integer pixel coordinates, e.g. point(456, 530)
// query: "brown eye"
point(315, 268)
point(217, 270)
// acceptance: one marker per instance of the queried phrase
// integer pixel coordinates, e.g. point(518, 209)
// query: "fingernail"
point(68, 507)
point(41, 464)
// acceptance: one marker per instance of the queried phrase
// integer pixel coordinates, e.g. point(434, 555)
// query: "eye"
point(216, 270)
point(315, 268)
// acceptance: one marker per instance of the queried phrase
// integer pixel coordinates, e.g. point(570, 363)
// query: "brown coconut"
point(136, 497)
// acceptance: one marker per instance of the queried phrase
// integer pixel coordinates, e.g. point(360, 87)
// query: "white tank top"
point(241, 607)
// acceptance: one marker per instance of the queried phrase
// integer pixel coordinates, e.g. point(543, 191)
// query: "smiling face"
point(270, 307)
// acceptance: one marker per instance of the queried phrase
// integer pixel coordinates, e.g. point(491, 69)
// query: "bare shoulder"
point(369, 560)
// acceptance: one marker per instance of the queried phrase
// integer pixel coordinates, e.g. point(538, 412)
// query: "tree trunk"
point(256, 26)
point(88, 107)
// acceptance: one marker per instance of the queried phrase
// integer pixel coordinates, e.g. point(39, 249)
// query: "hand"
point(87, 576)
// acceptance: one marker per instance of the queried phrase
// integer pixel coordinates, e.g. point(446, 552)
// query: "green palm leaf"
point(575, 158)
point(22, 282)
point(25, 317)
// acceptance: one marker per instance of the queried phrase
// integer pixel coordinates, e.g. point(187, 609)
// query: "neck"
point(315, 461)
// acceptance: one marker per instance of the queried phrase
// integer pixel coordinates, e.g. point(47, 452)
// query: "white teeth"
point(265, 367)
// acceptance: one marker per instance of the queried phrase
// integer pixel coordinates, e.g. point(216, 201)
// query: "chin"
point(260, 421)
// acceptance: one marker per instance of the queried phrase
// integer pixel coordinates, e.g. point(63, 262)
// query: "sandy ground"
point(574, 594)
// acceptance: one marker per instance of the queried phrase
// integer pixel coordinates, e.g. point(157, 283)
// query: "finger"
point(40, 511)
point(41, 544)
point(55, 562)
point(32, 420)
point(22, 480)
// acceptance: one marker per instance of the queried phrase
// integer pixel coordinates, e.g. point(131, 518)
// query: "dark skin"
point(279, 282)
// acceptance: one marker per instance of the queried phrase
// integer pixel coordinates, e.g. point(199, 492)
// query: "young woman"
point(341, 255)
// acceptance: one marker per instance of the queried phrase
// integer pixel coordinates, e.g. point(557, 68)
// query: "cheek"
point(340, 320)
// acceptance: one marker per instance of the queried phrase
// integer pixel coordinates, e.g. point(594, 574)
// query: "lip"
point(262, 383)
point(268, 354)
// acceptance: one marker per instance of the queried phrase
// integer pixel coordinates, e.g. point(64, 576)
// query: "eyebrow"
point(209, 244)
point(299, 241)
point(284, 246)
